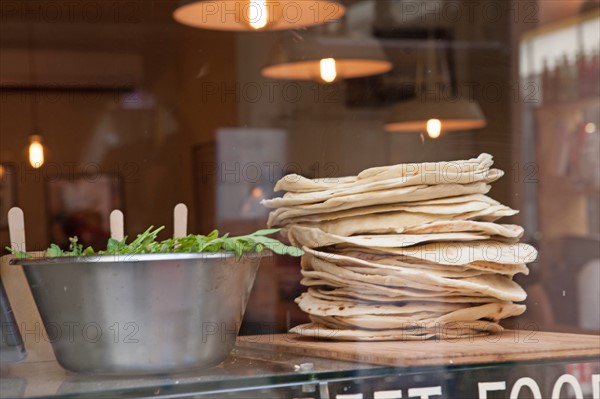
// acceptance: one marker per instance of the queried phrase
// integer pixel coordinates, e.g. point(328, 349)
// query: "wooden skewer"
point(16, 228)
point(180, 215)
point(117, 231)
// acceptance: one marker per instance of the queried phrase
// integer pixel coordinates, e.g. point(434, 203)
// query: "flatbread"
point(442, 170)
point(313, 237)
point(454, 226)
point(406, 252)
point(493, 285)
point(330, 271)
point(345, 307)
point(370, 266)
point(471, 206)
point(404, 194)
point(457, 253)
point(387, 222)
point(375, 296)
point(483, 162)
point(456, 200)
point(384, 270)
point(463, 330)
point(404, 261)
point(490, 312)
point(318, 330)
point(294, 199)
point(321, 279)
point(404, 216)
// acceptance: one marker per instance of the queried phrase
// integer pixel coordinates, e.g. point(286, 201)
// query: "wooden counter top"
point(510, 346)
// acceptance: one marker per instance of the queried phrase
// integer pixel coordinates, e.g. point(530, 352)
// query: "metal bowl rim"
point(89, 260)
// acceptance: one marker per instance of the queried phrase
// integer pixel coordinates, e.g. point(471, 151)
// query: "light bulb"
point(258, 14)
point(36, 151)
point(434, 128)
point(590, 128)
point(1, 172)
point(328, 70)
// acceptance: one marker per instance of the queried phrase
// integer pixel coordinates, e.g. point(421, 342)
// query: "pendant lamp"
point(257, 15)
point(35, 149)
point(435, 117)
point(437, 114)
point(325, 58)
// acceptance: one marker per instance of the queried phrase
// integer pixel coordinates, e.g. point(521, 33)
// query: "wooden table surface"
point(510, 346)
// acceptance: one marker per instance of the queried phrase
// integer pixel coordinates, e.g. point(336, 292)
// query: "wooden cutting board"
point(510, 346)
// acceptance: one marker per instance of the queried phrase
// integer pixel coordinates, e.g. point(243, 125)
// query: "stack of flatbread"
point(404, 252)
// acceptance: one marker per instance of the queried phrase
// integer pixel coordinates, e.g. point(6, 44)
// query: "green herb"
point(75, 249)
point(18, 254)
point(255, 242)
point(146, 243)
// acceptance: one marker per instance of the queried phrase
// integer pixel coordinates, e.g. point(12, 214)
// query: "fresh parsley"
point(146, 243)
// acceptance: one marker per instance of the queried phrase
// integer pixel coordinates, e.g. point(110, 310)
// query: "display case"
point(412, 169)
point(521, 364)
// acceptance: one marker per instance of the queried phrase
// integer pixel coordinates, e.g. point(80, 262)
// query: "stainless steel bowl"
point(148, 313)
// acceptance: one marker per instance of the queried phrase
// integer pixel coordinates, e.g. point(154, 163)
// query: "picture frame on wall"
point(80, 205)
point(8, 192)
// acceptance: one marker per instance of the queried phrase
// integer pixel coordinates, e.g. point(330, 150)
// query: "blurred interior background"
point(134, 110)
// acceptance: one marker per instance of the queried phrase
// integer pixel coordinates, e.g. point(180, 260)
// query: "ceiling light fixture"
point(325, 58)
point(36, 151)
point(435, 116)
point(36, 148)
point(257, 15)
point(440, 114)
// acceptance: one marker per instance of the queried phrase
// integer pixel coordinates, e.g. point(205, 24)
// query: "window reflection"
point(190, 115)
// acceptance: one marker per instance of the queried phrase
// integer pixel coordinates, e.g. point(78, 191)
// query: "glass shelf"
point(259, 373)
point(243, 369)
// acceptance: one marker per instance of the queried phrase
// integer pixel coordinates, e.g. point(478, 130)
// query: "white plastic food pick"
point(116, 225)
point(180, 215)
point(16, 228)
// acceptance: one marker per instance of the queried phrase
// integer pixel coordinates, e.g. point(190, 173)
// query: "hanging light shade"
point(257, 15)
point(36, 148)
point(435, 117)
point(326, 59)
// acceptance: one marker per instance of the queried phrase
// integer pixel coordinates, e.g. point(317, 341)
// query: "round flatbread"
point(441, 171)
point(403, 194)
point(313, 237)
point(493, 285)
point(368, 296)
point(291, 199)
point(415, 263)
point(340, 307)
point(456, 253)
point(456, 331)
